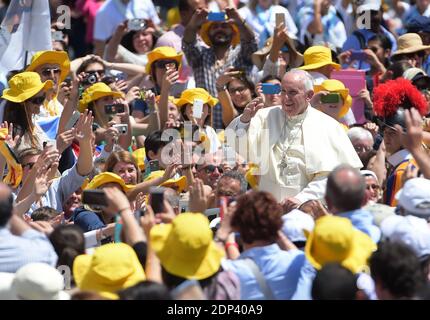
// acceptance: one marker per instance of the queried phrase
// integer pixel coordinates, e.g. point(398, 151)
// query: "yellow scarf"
point(14, 175)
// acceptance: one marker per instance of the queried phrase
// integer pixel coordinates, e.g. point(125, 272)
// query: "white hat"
point(365, 5)
point(39, 281)
point(414, 197)
point(369, 173)
point(295, 222)
point(5, 286)
point(410, 230)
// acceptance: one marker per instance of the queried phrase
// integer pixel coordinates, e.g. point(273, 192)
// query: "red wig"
point(395, 94)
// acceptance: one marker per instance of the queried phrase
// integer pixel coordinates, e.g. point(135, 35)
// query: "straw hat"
point(186, 248)
point(318, 56)
point(334, 239)
point(180, 182)
point(107, 177)
point(25, 85)
point(204, 33)
point(95, 92)
point(189, 95)
point(338, 87)
point(259, 57)
point(163, 53)
point(410, 43)
point(55, 57)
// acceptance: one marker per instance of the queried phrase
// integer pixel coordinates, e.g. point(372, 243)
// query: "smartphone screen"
point(330, 98)
point(157, 199)
point(198, 108)
point(271, 88)
point(154, 165)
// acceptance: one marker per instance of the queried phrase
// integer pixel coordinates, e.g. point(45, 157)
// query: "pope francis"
point(295, 145)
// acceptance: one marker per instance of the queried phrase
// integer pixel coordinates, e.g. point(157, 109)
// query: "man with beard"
point(231, 43)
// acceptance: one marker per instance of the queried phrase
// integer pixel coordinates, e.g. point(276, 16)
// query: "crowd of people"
point(221, 150)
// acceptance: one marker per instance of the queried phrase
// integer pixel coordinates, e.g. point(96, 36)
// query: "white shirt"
point(114, 12)
point(399, 157)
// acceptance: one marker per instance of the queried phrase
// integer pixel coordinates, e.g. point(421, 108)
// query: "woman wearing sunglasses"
point(25, 96)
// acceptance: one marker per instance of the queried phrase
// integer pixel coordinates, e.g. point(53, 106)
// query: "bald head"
point(6, 204)
point(346, 189)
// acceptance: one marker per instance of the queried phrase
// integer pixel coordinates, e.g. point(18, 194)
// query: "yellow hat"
point(180, 182)
point(173, 17)
point(338, 87)
point(55, 57)
point(140, 155)
point(316, 57)
point(25, 85)
point(334, 239)
point(111, 268)
point(107, 177)
point(204, 33)
point(252, 176)
point(410, 43)
point(189, 95)
point(186, 248)
point(95, 92)
point(163, 53)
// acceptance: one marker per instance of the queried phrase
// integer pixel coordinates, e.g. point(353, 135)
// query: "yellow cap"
point(180, 182)
point(204, 33)
point(163, 53)
point(186, 248)
point(111, 268)
point(25, 85)
point(140, 155)
point(336, 86)
point(107, 177)
point(55, 57)
point(189, 95)
point(316, 57)
point(334, 239)
point(95, 92)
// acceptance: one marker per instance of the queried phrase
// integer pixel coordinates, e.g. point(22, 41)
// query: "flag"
point(25, 30)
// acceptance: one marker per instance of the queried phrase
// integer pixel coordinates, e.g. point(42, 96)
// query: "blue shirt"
point(17, 251)
point(87, 220)
point(281, 270)
point(363, 220)
point(306, 279)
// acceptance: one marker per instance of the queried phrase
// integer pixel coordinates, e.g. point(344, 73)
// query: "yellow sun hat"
point(107, 177)
point(180, 182)
point(189, 95)
point(335, 239)
point(204, 33)
point(112, 267)
point(316, 57)
point(163, 53)
point(186, 248)
point(140, 155)
point(336, 86)
point(53, 57)
point(25, 85)
point(95, 92)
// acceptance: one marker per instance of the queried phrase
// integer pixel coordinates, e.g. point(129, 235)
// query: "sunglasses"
point(211, 169)
point(162, 63)
point(373, 186)
point(37, 100)
point(48, 71)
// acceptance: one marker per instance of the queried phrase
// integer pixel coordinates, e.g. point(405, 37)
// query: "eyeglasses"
point(239, 90)
point(48, 71)
point(30, 165)
point(362, 148)
point(211, 169)
point(162, 63)
point(37, 100)
point(373, 186)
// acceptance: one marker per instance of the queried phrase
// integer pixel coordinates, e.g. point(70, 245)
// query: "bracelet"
point(229, 244)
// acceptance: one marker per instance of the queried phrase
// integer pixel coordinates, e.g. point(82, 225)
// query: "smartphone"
point(68, 81)
point(197, 108)
point(136, 24)
point(331, 98)
point(358, 55)
point(57, 36)
point(157, 199)
point(271, 88)
point(280, 18)
point(171, 65)
point(120, 76)
point(114, 108)
point(94, 197)
point(122, 128)
point(216, 16)
point(154, 165)
point(188, 290)
point(49, 144)
point(183, 203)
point(285, 49)
point(73, 119)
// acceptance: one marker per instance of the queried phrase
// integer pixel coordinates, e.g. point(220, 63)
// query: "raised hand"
point(41, 183)
point(65, 139)
point(198, 199)
point(10, 140)
point(132, 94)
point(170, 78)
point(198, 18)
point(116, 199)
point(251, 109)
point(413, 137)
point(84, 127)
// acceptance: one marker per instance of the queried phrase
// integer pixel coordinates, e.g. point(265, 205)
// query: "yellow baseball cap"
point(163, 53)
point(95, 92)
point(180, 182)
point(111, 268)
point(189, 95)
point(25, 85)
point(336, 86)
point(186, 248)
point(316, 57)
point(204, 33)
point(58, 57)
point(108, 177)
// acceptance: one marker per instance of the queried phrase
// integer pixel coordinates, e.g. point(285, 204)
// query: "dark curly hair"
point(257, 217)
point(396, 267)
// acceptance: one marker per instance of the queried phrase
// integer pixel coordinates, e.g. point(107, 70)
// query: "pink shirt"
point(89, 8)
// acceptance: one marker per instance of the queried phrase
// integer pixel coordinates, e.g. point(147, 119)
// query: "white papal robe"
point(314, 144)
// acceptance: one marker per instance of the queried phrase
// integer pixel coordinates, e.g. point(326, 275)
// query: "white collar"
point(398, 157)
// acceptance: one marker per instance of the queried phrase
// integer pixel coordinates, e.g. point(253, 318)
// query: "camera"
point(136, 24)
point(122, 128)
point(90, 79)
